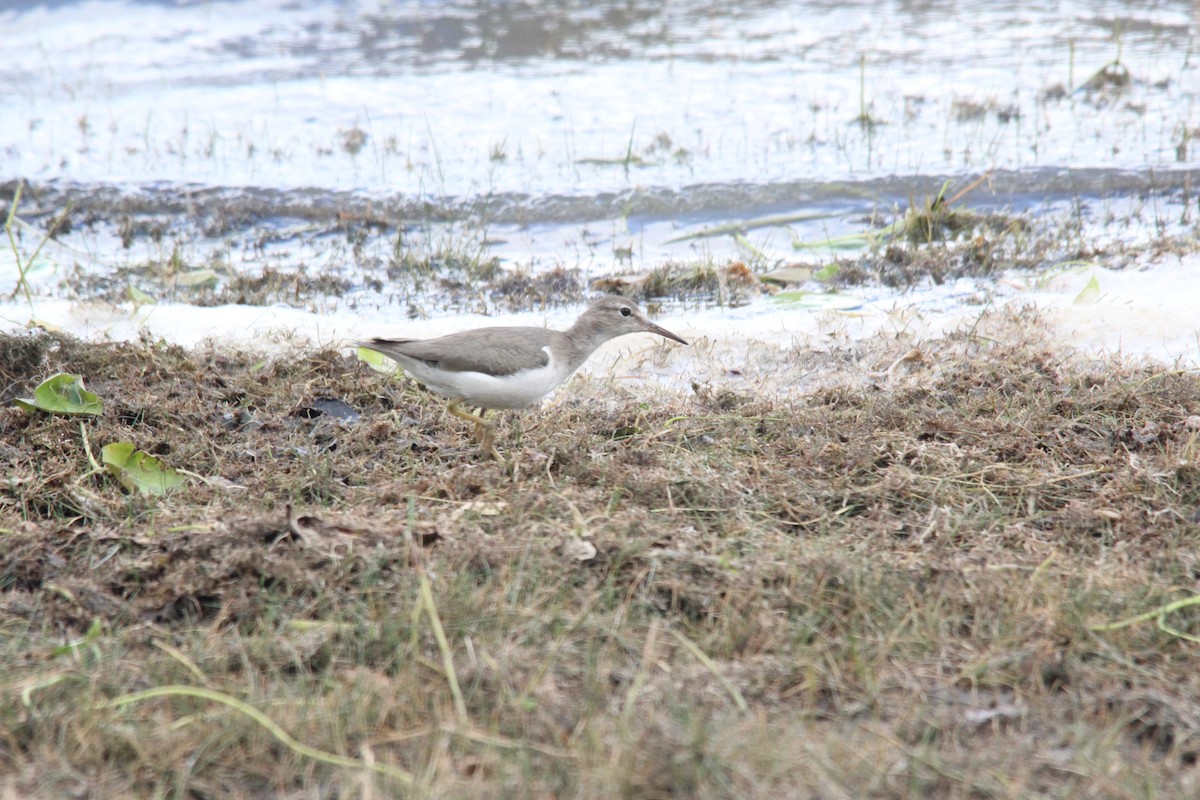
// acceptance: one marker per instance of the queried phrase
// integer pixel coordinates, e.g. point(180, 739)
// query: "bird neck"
point(583, 339)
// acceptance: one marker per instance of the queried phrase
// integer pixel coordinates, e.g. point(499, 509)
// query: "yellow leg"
point(485, 430)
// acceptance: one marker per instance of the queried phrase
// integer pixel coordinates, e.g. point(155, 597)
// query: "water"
point(584, 135)
point(458, 99)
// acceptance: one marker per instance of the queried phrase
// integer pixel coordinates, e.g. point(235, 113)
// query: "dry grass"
point(897, 577)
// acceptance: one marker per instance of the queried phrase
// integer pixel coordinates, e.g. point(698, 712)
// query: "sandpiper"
point(511, 367)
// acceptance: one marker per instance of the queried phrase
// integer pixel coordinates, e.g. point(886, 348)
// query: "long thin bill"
point(650, 326)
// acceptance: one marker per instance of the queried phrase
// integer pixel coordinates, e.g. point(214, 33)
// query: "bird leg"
point(485, 430)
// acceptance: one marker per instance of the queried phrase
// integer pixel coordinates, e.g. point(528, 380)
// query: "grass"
point(12, 224)
point(892, 586)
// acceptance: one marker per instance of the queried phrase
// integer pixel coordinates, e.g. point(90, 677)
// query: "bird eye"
point(625, 311)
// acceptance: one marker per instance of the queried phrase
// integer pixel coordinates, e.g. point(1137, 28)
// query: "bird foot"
point(485, 430)
point(487, 446)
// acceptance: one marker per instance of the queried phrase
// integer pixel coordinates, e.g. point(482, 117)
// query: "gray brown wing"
point(507, 350)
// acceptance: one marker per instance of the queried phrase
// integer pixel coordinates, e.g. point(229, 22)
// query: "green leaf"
point(376, 360)
point(795, 273)
point(1063, 268)
point(139, 471)
point(62, 394)
point(1090, 293)
point(139, 297)
point(196, 277)
point(827, 273)
point(819, 301)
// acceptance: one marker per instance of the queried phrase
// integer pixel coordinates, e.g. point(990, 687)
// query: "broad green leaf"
point(821, 301)
point(791, 274)
point(139, 297)
point(196, 277)
point(62, 394)
point(49, 327)
point(1090, 293)
point(827, 273)
point(376, 360)
point(139, 471)
point(1063, 268)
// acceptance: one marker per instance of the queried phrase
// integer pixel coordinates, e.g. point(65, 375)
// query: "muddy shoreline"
point(238, 210)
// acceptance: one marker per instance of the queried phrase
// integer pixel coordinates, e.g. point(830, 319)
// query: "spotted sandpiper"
point(511, 367)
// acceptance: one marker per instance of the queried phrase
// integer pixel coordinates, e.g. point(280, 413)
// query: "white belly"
point(518, 390)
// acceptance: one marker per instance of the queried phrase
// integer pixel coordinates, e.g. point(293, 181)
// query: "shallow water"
point(458, 99)
point(588, 136)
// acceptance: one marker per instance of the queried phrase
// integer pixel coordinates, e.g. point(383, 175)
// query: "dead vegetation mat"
point(888, 587)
